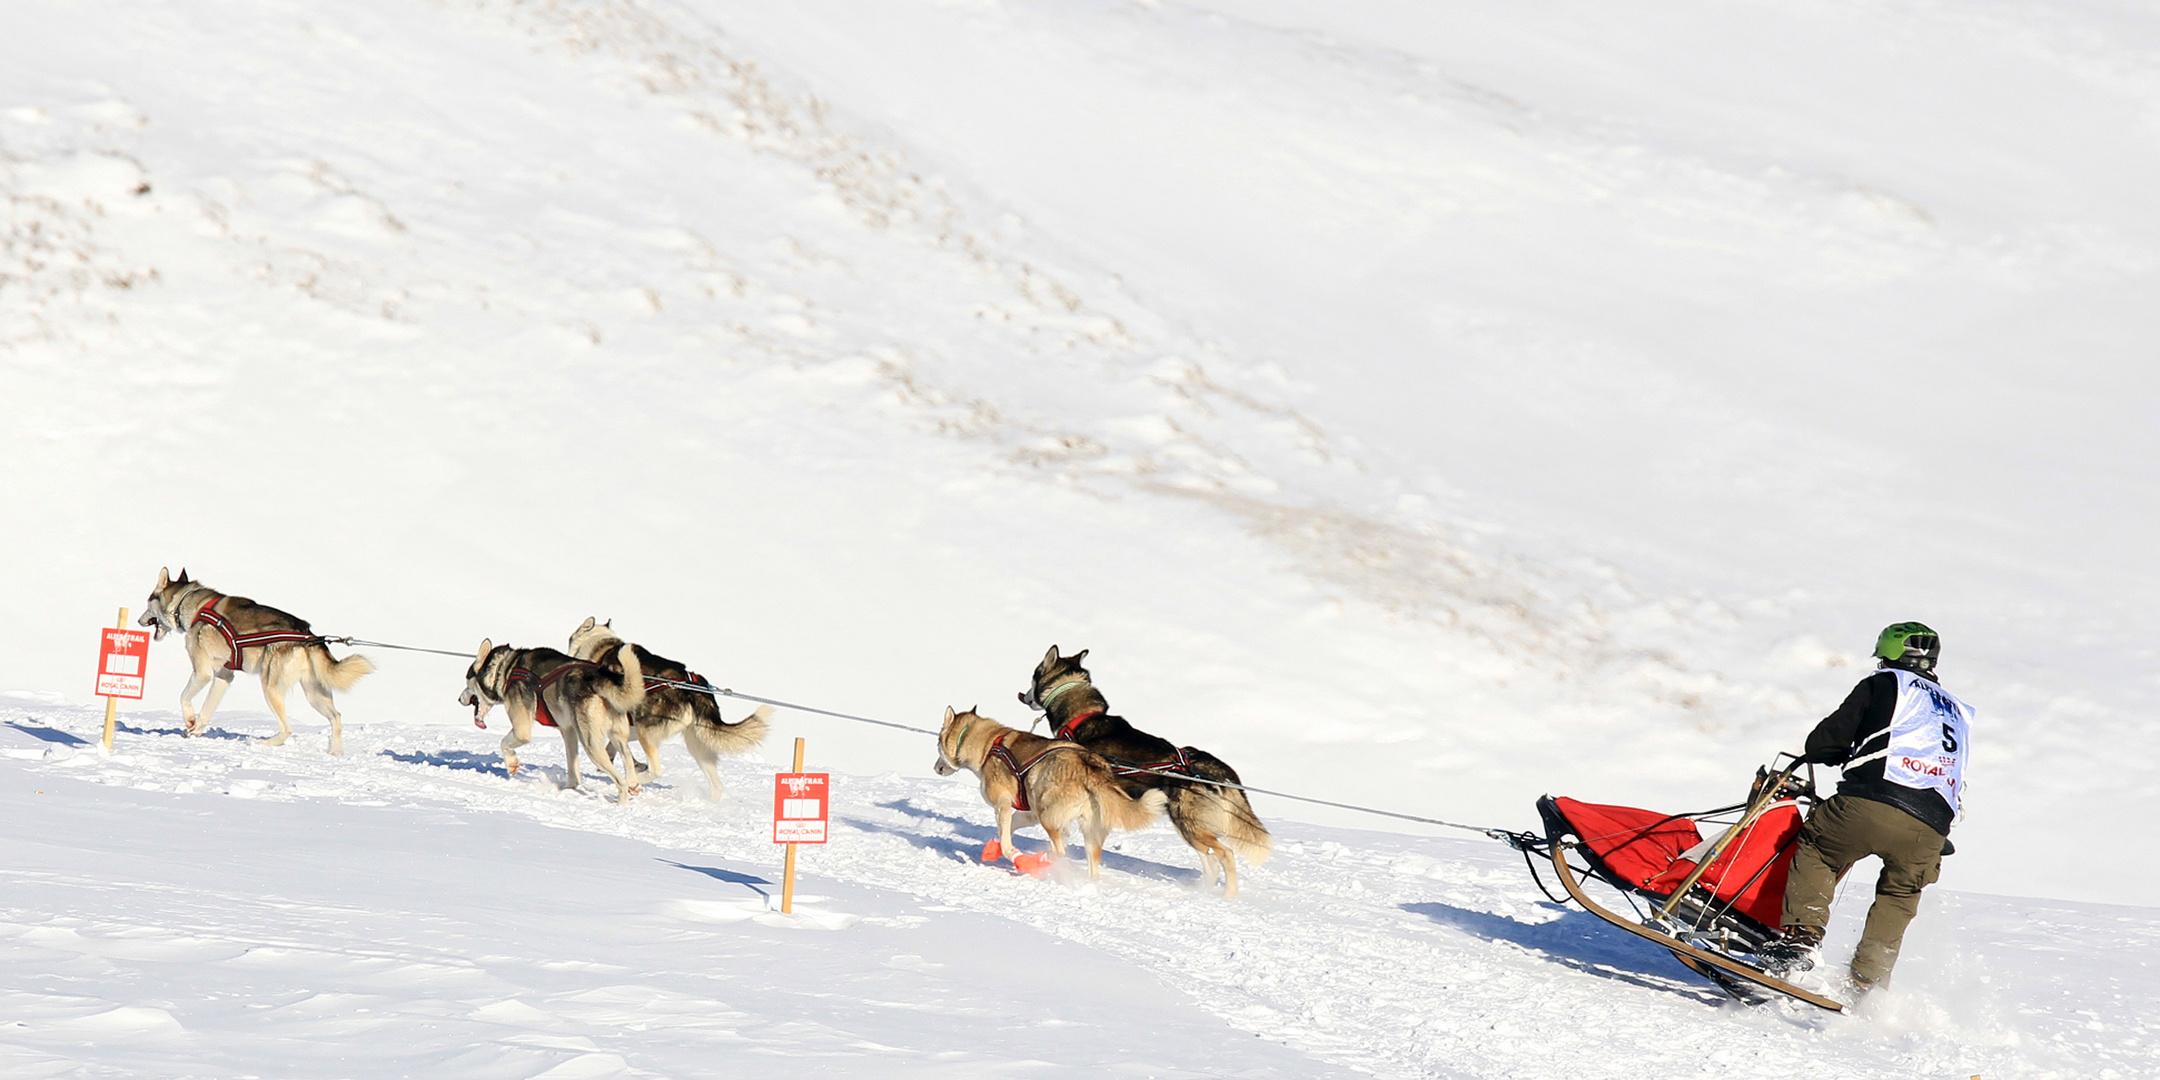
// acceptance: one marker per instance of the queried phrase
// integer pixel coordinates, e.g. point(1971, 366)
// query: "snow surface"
point(1424, 405)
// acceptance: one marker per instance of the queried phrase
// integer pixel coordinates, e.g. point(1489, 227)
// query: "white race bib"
point(1928, 739)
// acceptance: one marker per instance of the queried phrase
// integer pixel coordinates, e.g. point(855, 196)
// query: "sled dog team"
point(1096, 773)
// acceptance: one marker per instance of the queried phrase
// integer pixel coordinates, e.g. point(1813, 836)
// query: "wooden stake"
point(111, 702)
point(787, 878)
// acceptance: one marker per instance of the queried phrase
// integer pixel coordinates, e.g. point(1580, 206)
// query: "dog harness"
point(999, 751)
point(1072, 725)
point(1178, 765)
point(207, 614)
point(540, 687)
point(655, 683)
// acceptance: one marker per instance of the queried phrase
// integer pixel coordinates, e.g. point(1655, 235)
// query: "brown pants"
point(1842, 832)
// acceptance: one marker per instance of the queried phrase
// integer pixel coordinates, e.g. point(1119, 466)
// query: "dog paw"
point(512, 767)
point(1031, 864)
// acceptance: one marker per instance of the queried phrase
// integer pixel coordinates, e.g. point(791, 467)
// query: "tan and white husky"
point(227, 635)
point(1030, 780)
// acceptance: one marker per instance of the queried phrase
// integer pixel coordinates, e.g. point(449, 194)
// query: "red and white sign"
point(799, 807)
point(122, 655)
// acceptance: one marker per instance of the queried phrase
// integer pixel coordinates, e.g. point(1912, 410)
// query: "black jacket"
point(1860, 727)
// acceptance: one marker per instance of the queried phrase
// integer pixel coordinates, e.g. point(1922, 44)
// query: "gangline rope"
point(1503, 835)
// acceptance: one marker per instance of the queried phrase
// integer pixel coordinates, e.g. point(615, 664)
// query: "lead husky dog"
point(1031, 780)
point(671, 710)
point(587, 702)
point(226, 635)
point(1215, 820)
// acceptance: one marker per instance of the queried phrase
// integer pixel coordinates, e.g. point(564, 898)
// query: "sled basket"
point(1741, 892)
point(1713, 901)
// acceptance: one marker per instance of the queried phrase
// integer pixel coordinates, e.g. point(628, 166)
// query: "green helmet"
point(1910, 645)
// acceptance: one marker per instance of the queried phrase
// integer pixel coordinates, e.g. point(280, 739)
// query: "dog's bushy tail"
point(1235, 821)
point(1122, 812)
point(338, 675)
point(740, 737)
point(630, 692)
point(1242, 829)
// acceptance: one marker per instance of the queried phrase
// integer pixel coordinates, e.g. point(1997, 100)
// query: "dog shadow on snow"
point(966, 846)
point(460, 760)
point(1578, 940)
point(180, 730)
point(492, 765)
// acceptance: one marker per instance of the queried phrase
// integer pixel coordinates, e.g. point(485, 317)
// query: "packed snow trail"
point(1395, 955)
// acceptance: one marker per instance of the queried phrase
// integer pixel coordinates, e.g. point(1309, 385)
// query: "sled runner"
point(1714, 902)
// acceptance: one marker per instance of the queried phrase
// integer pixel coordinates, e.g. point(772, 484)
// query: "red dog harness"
point(540, 686)
point(1073, 724)
point(1178, 765)
point(999, 751)
point(236, 642)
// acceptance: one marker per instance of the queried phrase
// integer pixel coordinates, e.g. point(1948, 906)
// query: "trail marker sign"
point(121, 656)
point(800, 807)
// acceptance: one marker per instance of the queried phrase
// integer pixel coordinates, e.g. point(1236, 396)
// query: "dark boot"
point(1792, 952)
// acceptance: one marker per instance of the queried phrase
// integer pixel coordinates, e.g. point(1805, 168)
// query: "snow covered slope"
point(1430, 406)
point(205, 908)
point(1513, 392)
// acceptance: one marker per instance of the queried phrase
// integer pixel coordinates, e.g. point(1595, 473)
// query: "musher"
point(1903, 742)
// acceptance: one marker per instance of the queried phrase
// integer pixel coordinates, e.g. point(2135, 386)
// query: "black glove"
point(1829, 755)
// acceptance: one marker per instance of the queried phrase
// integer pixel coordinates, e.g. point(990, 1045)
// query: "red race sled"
point(1714, 902)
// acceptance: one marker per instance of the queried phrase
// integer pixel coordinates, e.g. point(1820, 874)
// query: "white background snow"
point(1432, 406)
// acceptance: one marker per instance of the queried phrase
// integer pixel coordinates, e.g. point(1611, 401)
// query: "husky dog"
point(669, 710)
point(1031, 780)
point(227, 635)
point(1216, 821)
point(585, 701)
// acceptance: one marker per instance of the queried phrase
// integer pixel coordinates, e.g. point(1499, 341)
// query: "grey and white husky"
point(672, 710)
point(1217, 821)
point(587, 702)
point(1030, 780)
point(227, 635)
